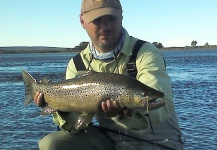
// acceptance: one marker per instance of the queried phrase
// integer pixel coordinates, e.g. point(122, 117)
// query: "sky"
point(55, 23)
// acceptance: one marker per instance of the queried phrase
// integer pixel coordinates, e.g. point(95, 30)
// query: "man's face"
point(104, 32)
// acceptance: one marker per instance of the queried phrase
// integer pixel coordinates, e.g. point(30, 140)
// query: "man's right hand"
point(39, 99)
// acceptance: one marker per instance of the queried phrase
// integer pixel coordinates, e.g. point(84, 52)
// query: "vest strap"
point(131, 65)
point(79, 64)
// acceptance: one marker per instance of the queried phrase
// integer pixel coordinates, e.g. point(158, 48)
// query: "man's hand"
point(112, 109)
point(39, 99)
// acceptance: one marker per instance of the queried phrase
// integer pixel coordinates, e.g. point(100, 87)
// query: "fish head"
point(148, 100)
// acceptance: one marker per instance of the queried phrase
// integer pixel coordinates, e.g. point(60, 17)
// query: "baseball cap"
point(92, 9)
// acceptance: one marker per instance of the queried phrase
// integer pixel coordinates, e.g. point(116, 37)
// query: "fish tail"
point(28, 80)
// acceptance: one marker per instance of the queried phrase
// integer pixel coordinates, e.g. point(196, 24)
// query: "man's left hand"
point(112, 109)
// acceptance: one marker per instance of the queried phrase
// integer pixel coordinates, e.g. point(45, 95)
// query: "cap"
point(92, 9)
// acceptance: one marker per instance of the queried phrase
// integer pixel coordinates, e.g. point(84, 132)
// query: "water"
point(193, 75)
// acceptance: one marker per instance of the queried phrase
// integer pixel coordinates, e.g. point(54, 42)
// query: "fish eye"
point(143, 94)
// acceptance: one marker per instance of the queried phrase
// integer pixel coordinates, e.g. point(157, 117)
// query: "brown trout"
point(85, 93)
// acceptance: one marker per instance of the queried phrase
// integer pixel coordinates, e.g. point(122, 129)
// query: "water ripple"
point(193, 76)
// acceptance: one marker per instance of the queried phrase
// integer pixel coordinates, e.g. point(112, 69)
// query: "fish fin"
point(83, 73)
point(83, 120)
point(45, 80)
point(27, 99)
point(28, 80)
point(46, 111)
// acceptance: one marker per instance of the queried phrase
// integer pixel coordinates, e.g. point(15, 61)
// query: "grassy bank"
point(211, 47)
point(20, 49)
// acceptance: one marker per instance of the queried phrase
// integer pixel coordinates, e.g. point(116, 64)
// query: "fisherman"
point(110, 50)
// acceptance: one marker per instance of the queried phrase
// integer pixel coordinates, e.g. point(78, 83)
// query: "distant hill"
point(81, 46)
point(209, 47)
point(42, 49)
point(35, 49)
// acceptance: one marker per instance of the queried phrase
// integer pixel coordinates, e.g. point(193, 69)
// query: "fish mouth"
point(154, 103)
point(155, 100)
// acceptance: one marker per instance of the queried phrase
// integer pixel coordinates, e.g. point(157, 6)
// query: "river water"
point(194, 82)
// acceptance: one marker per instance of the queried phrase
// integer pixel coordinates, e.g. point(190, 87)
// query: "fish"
point(85, 93)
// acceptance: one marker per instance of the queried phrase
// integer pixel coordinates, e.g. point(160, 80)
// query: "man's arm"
point(152, 72)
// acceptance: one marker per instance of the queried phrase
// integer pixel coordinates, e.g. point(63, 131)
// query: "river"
point(194, 81)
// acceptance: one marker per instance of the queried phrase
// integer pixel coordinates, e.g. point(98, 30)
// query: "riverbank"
point(211, 47)
point(35, 49)
point(41, 49)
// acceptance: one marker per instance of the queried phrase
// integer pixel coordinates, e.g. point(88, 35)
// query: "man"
point(109, 51)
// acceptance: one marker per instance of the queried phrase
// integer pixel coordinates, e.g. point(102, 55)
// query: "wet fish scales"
point(85, 93)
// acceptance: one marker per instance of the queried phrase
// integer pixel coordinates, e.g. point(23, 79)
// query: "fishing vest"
point(131, 65)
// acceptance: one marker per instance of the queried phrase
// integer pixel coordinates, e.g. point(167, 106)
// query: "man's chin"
point(104, 45)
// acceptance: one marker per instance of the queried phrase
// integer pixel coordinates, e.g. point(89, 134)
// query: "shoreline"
point(22, 50)
point(191, 48)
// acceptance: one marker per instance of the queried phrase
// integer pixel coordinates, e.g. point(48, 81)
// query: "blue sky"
point(56, 23)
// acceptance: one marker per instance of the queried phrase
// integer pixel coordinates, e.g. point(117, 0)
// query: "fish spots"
point(70, 86)
point(83, 94)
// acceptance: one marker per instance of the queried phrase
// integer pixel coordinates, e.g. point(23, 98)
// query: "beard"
point(107, 46)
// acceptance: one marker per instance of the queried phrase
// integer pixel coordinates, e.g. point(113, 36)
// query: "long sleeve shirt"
point(152, 72)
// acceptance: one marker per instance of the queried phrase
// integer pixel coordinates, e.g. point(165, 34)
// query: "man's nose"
point(105, 24)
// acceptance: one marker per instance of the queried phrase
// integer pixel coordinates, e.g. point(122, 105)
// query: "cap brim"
point(94, 14)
